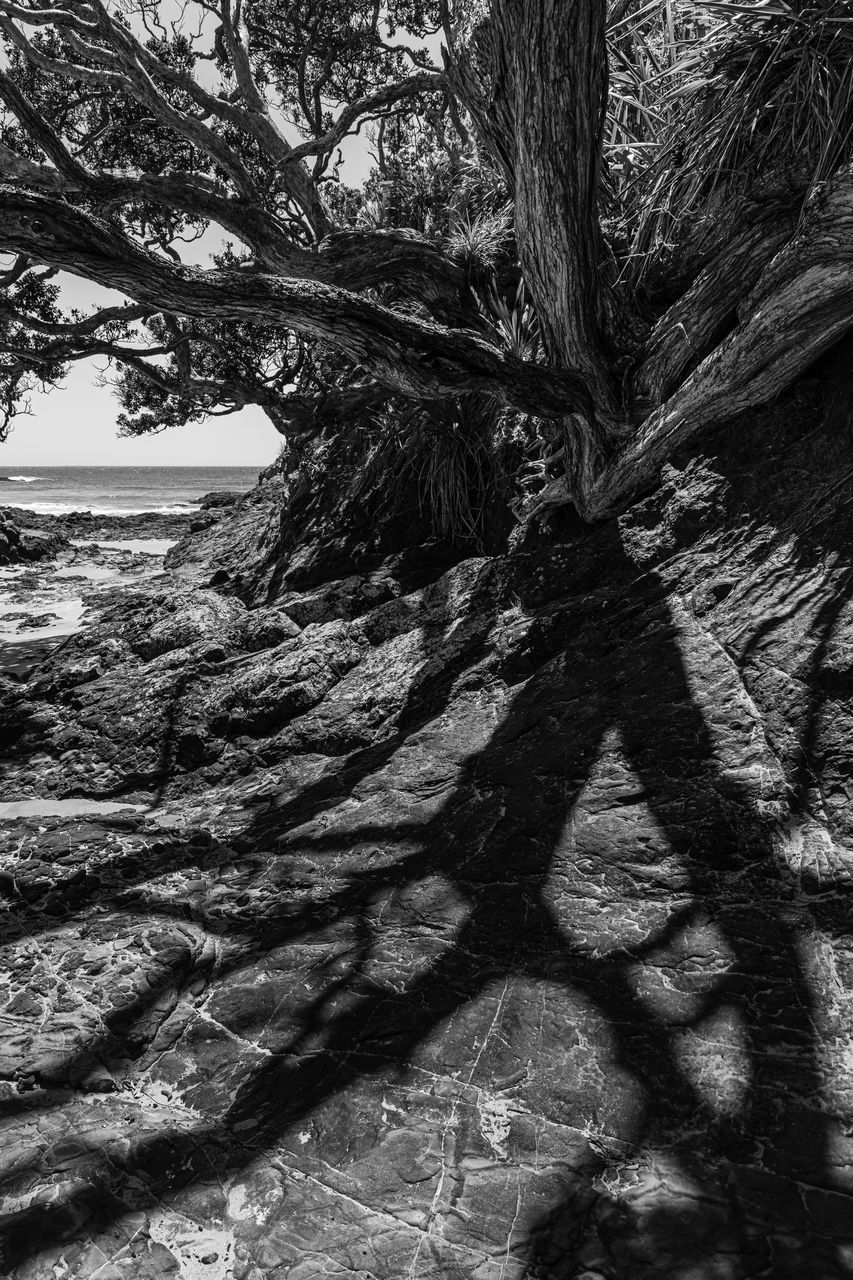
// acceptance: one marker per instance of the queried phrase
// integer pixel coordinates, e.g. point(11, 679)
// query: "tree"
point(670, 185)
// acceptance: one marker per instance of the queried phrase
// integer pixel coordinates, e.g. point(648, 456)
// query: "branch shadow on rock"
point(605, 719)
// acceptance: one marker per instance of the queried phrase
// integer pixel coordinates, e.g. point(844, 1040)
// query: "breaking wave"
point(68, 508)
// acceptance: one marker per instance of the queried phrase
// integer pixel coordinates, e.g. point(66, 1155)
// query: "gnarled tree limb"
point(410, 356)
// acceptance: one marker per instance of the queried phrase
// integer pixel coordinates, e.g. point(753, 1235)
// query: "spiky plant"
point(645, 44)
point(767, 89)
point(373, 213)
point(479, 241)
point(454, 469)
point(514, 324)
point(453, 465)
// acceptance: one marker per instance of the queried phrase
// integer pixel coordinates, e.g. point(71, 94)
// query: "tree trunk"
point(693, 326)
point(534, 78)
point(556, 82)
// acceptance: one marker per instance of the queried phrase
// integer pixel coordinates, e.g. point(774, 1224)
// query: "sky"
point(75, 424)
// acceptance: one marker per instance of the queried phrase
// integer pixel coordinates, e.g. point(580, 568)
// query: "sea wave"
point(68, 508)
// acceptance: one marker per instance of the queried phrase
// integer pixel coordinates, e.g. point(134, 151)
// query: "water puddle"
point(141, 546)
point(92, 572)
point(62, 618)
point(45, 807)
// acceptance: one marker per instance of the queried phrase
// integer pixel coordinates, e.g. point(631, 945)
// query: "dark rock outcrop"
point(92, 525)
point(220, 498)
point(490, 918)
point(21, 545)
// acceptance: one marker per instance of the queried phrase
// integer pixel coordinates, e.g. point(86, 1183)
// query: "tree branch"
point(424, 82)
point(87, 325)
point(689, 330)
point(58, 66)
point(50, 17)
point(41, 133)
point(411, 356)
point(17, 269)
point(350, 259)
point(144, 67)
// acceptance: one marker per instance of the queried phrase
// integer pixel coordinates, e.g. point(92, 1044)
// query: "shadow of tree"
point(671, 937)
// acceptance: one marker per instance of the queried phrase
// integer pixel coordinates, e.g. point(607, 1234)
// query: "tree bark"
point(534, 77)
point(691, 328)
point(352, 259)
point(556, 64)
point(801, 305)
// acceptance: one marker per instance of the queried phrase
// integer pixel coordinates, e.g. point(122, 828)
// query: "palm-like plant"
point(766, 88)
point(515, 326)
point(645, 46)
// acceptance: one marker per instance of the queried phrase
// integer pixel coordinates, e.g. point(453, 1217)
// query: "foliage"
point(206, 370)
point(645, 44)
point(709, 99)
point(429, 179)
point(451, 470)
point(514, 324)
point(480, 240)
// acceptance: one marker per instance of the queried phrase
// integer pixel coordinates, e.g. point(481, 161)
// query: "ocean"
point(56, 491)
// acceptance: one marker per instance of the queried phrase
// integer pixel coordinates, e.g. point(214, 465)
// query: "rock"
point(9, 540)
point(22, 544)
point(86, 524)
point(239, 547)
point(34, 621)
point(220, 498)
point(490, 917)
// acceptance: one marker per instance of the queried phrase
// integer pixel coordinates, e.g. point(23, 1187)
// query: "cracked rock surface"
point(482, 919)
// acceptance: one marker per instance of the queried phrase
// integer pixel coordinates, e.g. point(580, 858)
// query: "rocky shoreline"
point(471, 918)
point(54, 569)
point(144, 524)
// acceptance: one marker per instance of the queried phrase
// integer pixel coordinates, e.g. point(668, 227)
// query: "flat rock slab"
point(505, 932)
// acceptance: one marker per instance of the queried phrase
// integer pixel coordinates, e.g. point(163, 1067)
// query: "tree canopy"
point(617, 225)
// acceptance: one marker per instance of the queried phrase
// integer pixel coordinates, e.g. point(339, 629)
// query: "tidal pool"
point(48, 807)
